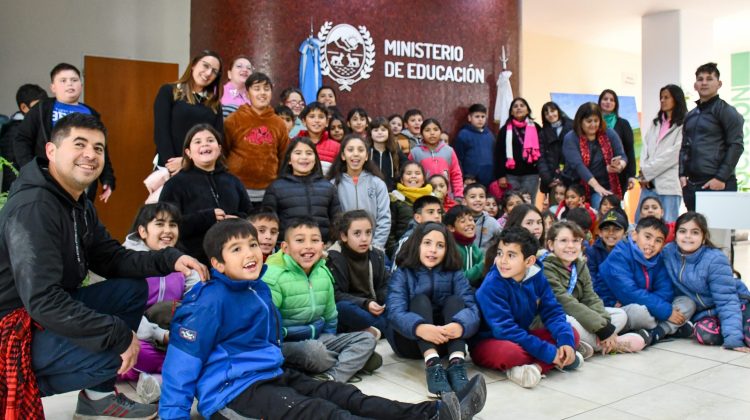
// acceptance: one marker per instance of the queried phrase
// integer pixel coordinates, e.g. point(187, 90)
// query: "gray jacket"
point(371, 194)
point(660, 159)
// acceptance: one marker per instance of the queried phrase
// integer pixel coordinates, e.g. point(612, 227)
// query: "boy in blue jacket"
point(612, 229)
point(634, 278)
point(513, 298)
point(475, 146)
point(225, 348)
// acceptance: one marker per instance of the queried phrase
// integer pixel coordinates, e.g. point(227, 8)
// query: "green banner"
point(741, 101)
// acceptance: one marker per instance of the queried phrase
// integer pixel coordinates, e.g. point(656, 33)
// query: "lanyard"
point(648, 279)
point(573, 279)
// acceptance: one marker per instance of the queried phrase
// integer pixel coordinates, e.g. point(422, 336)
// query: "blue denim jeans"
point(62, 366)
point(353, 317)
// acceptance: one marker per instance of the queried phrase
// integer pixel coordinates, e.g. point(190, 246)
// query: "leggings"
point(708, 329)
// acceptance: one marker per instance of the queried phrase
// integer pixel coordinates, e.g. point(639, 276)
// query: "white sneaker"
point(585, 349)
point(148, 388)
point(527, 376)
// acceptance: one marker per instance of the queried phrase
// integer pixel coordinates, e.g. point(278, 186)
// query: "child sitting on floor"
point(302, 289)
point(156, 227)
point(514, 294)
point(266, 222)
point(431, 307)
point(360, 278)
point(461, 224)
point(636, 280)
point(234, 311)
point(597, 325)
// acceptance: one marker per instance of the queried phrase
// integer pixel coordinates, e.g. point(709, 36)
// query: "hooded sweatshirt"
point(509, 308)
point(255, 144)
point(368, 193)
point(441, 160)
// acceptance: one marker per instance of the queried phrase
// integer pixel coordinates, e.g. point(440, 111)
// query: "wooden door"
point(123, 92)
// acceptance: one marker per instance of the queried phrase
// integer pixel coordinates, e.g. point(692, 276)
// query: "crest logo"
point(347, 54)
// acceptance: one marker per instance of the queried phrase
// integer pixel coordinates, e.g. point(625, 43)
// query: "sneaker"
point(324, 377)
point(657, 334)
point(372, 364)
point(437, 379)
point(646, 335)
point(457, 376)
point(375, 332)
point(527, 376)
point(449, 407)
point(115, 406)
point(686, 330)
point(585, 349)
point(475, 396)
point(630, 343)
point(577, 363)
point(148, 388)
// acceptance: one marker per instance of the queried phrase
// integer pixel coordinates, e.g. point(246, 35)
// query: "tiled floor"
point(672, 380)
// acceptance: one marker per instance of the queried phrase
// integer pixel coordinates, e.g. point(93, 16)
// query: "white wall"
point(551, 64)
point(37, 34)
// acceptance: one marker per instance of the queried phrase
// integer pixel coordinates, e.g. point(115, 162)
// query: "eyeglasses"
point(576, 241)
point(206, 66)
point(295, 103)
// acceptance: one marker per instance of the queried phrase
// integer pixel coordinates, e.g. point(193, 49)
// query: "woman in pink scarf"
point(517, 150)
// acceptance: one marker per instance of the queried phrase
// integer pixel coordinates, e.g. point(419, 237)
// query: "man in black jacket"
point(712, 141)
point(50, 238)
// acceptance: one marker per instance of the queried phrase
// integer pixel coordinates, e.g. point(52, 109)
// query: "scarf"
point(611, 120)
point(608, 154)
point(413, 193)
point(558, 126)
point(463, 240)
point(530, 142)
point(19, 393)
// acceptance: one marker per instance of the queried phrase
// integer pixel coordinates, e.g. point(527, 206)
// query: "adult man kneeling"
point(78, 337)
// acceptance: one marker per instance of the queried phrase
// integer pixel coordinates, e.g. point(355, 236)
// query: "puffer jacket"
point(294, 196)
point(437, 285)
point(510, 308)
point(712, 142)
point(582, 303)
point(550, 146)
point(625, 280)
point(306, 303)
point(705, 276)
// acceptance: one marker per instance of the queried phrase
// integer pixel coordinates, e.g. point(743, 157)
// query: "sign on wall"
point(741, 101)
point(348, 55)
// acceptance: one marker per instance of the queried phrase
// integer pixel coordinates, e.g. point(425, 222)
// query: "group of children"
point(377, 234)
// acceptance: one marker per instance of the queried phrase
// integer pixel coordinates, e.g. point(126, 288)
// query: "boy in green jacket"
point(302, 288)
point(568, 276)
point(460, 222)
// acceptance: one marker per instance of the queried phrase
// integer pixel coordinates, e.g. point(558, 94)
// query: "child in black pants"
point(226, 350)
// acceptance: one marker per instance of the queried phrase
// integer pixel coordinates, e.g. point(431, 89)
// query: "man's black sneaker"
point(114, 406)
